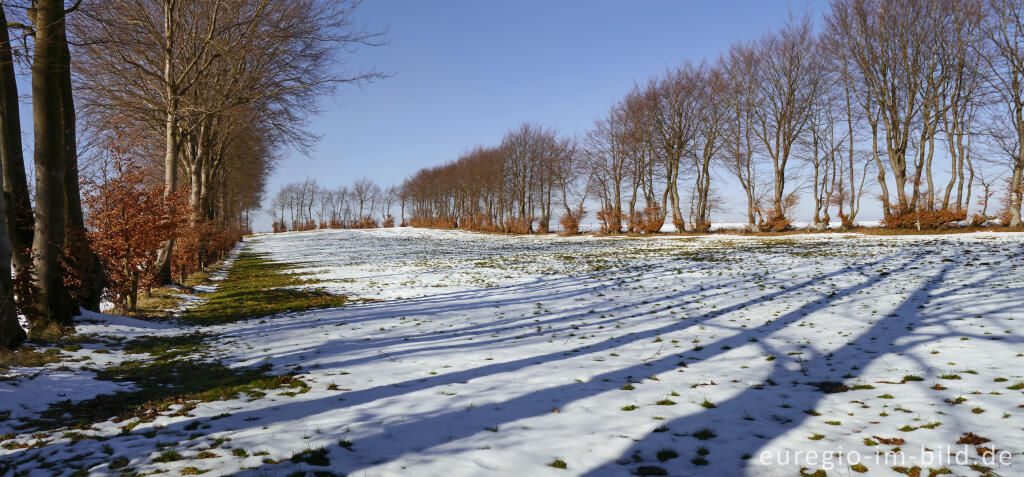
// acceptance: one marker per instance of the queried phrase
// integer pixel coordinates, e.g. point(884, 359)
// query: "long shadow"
point(749, 421)
point(510, 296)
point(538, 403)
point(385, 391)
point(523, 294)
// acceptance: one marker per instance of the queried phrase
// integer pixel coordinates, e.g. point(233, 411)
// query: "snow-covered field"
point(499, 355)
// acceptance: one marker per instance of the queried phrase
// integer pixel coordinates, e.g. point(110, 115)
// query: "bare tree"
point(741, 93)
point(1005, 64)
point(709, 140)
point(608, 158)
point(362, 194)
point(184, 70)
point(674, 119)
point(789, 78)
point(824, 147)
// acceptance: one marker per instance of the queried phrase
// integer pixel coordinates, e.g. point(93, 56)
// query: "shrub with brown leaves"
point(519, 225)
point(571, 223)
point(610, 219)
point(128, 221)
point(776, 224)
point(922, 218)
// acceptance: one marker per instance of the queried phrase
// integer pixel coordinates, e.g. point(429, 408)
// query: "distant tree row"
point(866, 106)
point(524, 180)
point(307, 205)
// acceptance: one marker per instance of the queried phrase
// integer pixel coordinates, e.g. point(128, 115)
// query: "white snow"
point(496, 355)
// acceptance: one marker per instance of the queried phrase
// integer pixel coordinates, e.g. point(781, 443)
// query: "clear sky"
point(467, 71)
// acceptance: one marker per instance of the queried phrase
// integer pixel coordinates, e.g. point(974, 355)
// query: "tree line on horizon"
point(156, 124)
point(307, 205)
point(860, 106)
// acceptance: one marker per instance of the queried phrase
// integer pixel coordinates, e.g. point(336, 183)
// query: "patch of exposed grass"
point(256, 286)
point(704, 434)
point(159, 385)
point(666, 454)
point(27, 357)
point(167, 456)
point(317, 457)
point(166, 347)
point(558, 464)
point(161, 302)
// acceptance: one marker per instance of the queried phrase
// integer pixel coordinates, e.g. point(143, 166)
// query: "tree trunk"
point(1015, 187)
point(87, 266)
point(11, 334)
point(884, 195)
point(50, 65)
point(673, 195)
point(171, 144)
point(171, 140)
point(15, 184)
point(780, 187)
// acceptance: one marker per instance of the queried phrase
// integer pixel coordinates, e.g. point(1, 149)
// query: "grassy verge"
point(27, 357)
point(161, 302)
point(161, 384)
point(175, 373)
point(255, 286)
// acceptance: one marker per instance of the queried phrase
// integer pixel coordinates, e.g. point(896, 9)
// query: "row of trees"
point(859, 107)
point(55, 269)
point(188, 105)
point(508, 187)
point(307, 205)
point(217, 89)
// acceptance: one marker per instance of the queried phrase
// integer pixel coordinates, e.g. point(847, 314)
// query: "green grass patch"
point(704, 434)
point(160, 302)
point(167, 347)
point(255, 286)
point(27, 357)
point(161, 384)
point(317, 457)
point(558, 464)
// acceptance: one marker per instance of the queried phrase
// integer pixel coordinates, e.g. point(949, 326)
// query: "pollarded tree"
point(789, 78)
point(739, 98)
point(886, 45)
point(608, 157)
point(674, 115)
point(710, 140)
point(1004, 62)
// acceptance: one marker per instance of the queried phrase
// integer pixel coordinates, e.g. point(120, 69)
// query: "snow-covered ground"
point(499, 355)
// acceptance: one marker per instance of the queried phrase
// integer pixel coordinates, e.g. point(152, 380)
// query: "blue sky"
point(467, 71)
